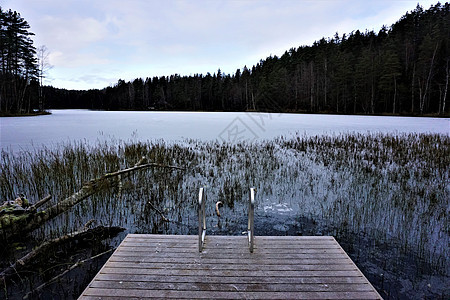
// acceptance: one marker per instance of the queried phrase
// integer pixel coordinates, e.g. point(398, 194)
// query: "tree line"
point(403, 69)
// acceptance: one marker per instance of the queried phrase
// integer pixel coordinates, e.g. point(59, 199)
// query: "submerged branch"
point(77, 264)
point(158, 211)
point(100, 232)
point(40, 202)
point(138, 167)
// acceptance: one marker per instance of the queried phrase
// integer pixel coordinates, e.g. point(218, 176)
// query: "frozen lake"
point(93, 126)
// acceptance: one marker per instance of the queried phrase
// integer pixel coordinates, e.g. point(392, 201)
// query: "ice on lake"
point(93, 126)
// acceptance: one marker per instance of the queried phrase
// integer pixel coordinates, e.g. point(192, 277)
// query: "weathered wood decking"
point(169, 266)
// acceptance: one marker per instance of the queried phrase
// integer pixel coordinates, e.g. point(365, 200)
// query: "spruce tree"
point(18, 62)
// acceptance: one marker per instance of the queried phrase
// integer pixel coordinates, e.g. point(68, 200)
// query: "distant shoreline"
point(33, 114)
point(299, 112)
point(429, 115)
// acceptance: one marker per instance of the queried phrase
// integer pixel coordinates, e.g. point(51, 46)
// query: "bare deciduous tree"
point(44, 66)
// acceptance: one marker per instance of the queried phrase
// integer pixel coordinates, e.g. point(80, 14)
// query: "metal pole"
point(251, 213)
point(201, 219)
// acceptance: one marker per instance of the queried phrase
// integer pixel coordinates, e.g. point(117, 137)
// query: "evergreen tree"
point(18, 63)
point(390, 73)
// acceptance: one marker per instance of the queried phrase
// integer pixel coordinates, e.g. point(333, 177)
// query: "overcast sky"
point(93, 43)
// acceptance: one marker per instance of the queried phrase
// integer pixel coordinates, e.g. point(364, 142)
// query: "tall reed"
point(385, 186)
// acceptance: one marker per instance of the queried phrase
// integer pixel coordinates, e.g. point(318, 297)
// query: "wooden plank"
point(159, 237)
point(323, 254)
point(190, 246)
point(231, 251)
point(247, 266)
point(220, 238)
point(225, 260)
point(221, 279)
point(173, 294)
point(229, 243)
point(233, 273)
point(157, 266)
point(233, 243)
point(219, 286)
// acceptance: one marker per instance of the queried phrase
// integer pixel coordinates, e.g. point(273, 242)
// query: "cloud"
point(141, 38)
point(70, 59)
point(87, 79)
point(93, 79)
point(75, 32)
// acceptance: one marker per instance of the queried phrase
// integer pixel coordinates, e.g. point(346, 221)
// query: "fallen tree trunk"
point(10, 207)
point(99, 232)
point(20, 226)
point(12, 215)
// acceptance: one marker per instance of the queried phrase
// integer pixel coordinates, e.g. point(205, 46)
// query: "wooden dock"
point(171, 266)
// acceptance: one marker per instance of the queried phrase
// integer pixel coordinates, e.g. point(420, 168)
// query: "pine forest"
point(401, 70)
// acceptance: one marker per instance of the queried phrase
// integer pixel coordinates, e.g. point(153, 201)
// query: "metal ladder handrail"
point(201, 219)
point(251, 214)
